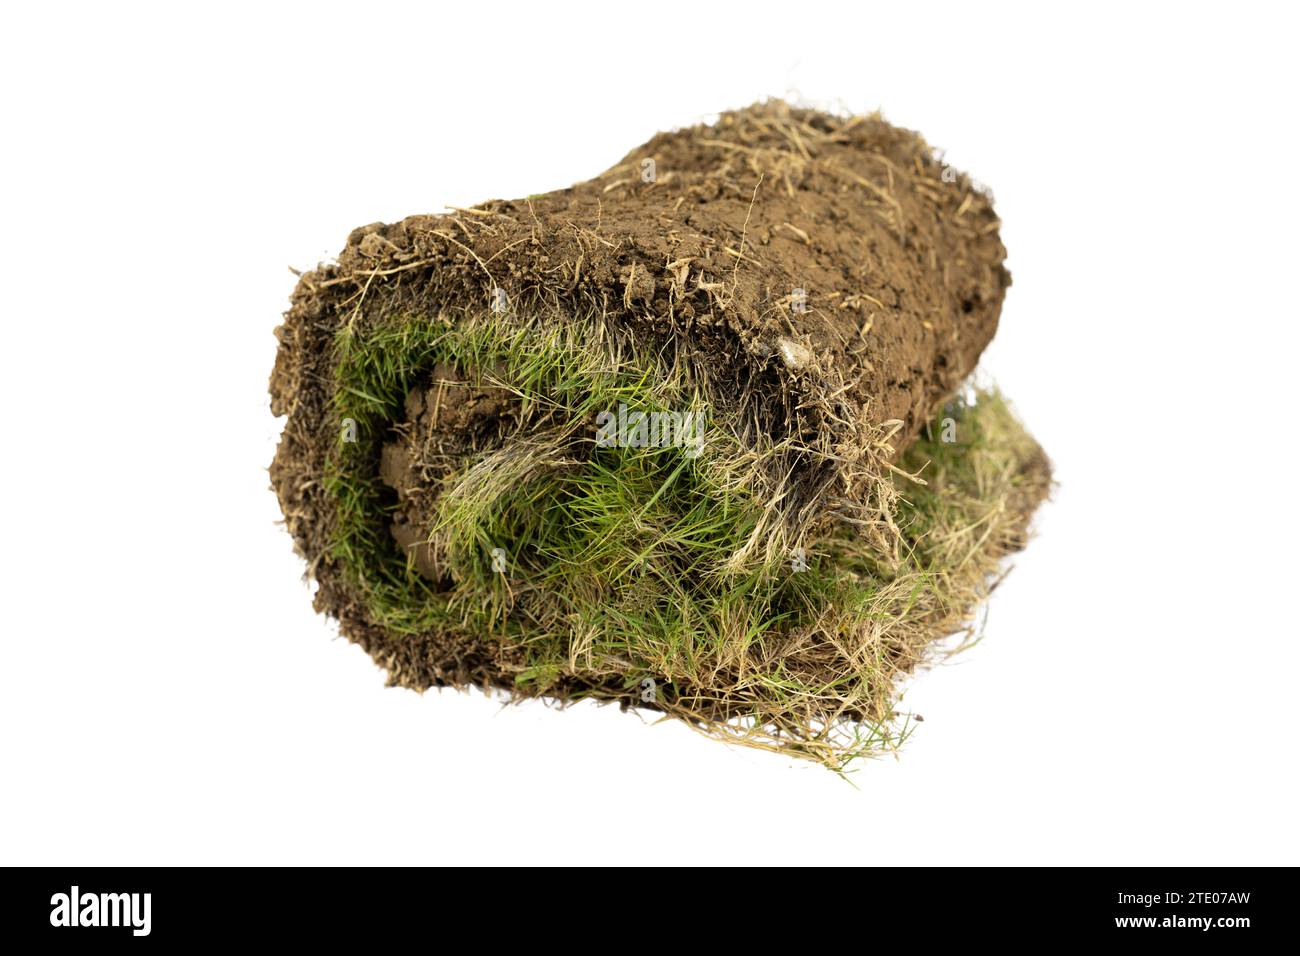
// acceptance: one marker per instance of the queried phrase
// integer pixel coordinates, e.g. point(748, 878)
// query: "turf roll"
point(696, 435)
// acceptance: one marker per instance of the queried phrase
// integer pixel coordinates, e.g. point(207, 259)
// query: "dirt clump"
point(447, 422)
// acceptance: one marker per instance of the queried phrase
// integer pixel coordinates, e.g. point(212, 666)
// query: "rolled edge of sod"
point(809, 290)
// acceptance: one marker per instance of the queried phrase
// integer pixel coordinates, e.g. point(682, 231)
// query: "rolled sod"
point(693, 435)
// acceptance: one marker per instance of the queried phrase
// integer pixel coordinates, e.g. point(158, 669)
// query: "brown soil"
point(901, 266)
point(447, 422)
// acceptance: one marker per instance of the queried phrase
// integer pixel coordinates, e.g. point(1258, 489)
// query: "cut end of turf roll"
point(695, 443)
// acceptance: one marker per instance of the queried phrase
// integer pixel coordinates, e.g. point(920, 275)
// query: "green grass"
point(634, 563)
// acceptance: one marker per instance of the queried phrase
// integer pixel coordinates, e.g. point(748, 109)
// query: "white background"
point(167, 694)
